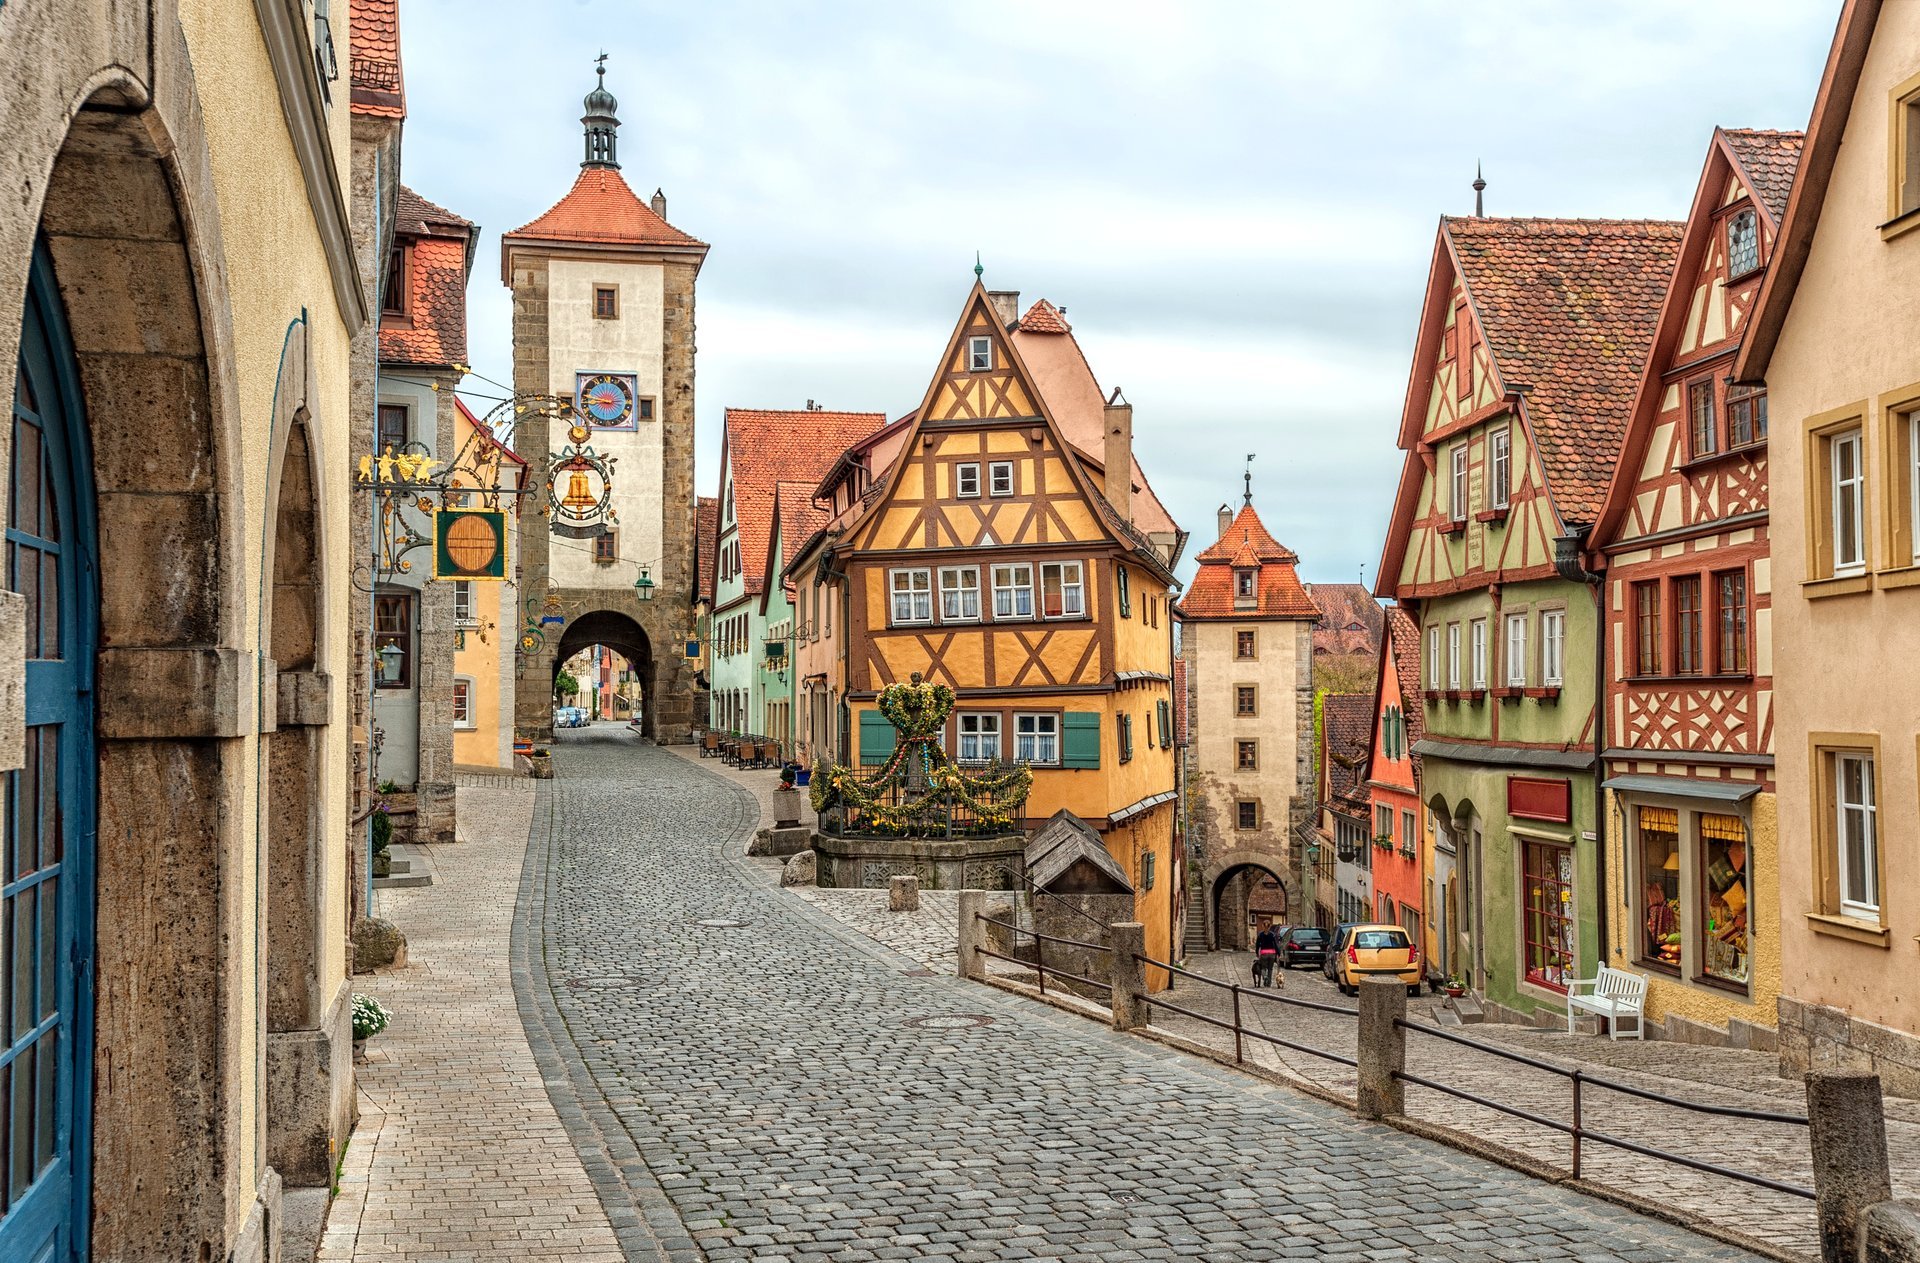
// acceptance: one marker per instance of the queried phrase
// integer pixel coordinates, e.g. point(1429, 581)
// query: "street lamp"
point(390, 657)
point(643, 586)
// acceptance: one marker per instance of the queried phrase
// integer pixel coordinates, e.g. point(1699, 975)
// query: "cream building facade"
point(177, 297)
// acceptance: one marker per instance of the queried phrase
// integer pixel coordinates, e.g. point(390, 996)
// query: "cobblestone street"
point(729, 1059)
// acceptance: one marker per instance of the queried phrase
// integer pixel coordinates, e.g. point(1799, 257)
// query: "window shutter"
point(1126, 592)
point(876, 738)
point(1080, 739)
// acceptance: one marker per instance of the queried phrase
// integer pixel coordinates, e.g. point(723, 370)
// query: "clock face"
point(606, 399)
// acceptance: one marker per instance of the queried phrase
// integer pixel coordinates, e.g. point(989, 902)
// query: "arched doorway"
point(47, 870)
point(624, 637)
point(1246, 897)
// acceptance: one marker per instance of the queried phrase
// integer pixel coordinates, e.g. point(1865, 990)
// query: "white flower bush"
point(370, 1017)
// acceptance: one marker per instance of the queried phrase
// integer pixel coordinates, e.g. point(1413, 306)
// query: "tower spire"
point(1247, 497)
point(601, 122)
point(1479, 189)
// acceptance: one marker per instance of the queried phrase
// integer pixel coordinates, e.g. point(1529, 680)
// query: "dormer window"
point(979, 354)
point(1743, 242)
point(393, 295)
point(1243, 584)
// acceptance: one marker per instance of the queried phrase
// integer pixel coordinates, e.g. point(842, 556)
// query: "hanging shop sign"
point(580, 488)
point(470, 544)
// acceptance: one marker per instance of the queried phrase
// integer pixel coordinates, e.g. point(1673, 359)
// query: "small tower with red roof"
point(603, 315)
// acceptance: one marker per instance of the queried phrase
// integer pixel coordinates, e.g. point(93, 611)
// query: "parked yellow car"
point(1369, 951)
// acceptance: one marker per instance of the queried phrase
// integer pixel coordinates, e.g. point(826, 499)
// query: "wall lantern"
point(390, 656)
point(643, 586)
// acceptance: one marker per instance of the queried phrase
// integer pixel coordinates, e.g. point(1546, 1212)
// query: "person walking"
point(1266, 955)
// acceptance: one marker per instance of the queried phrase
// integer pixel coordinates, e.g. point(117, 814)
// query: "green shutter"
point(1126, 591)
point(876, 738)
point(1080, 739)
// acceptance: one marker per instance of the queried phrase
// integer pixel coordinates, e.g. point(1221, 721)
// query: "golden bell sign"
point(470, 544)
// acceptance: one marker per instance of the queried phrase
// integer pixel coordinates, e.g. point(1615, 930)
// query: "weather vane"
point(978, 270)
point(1247, 498)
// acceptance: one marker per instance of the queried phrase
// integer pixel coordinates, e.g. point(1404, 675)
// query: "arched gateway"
point(625, 637)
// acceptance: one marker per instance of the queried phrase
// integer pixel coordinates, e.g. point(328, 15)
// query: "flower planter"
point(540, 764)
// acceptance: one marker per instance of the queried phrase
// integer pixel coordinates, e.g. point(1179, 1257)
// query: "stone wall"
point(1820, 1037)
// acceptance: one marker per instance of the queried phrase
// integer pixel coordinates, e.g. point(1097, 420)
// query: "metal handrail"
point(1240, 1029)
point(1050, 938)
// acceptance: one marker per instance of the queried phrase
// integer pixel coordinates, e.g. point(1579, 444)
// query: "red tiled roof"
point(601, 208)
point(1404, 635)
point(433, 331)
point(765, 447)
point(1568, 307)
point(1347, 725)
point(1350, 619)
point(373, 58)
point(1246, 545)
point(1044, 317)
point(1768, 161)
point(799, 517)
point(706, 543)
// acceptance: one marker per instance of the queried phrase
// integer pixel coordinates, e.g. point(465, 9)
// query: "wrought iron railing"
point(988, 814)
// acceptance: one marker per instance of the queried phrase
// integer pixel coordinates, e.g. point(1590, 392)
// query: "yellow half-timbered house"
point(1000, 554)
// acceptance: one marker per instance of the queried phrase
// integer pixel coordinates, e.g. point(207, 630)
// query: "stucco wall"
point(1279, 676)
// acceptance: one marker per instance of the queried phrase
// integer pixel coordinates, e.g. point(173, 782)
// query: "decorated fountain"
point(921, 813)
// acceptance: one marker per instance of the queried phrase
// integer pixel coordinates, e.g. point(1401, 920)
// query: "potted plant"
point(370, 1017)
point(1455, 986)
point(786, 799)
point(1384, 841)
point(382, 825)
point(540, 761)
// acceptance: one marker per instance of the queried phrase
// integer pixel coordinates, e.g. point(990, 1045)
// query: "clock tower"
point(603, 316)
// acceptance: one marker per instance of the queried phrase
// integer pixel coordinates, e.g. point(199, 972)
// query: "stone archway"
point(625, 637)
point(1234, 899)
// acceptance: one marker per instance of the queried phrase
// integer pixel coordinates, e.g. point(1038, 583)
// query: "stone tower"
point(603, 315)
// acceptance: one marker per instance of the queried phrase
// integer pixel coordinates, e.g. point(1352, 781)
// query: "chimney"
point(1226, 520)
point(1006, 304)
point(1118, 454)
point(659, 203)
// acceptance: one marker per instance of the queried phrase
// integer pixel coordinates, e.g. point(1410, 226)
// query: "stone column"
point(533, 688)
point(1382, 1048)
point(1128, 943)
point(1850, 1172)
point(973, 935)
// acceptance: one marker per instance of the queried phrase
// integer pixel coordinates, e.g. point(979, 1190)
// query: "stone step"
point(1466, 1008)
point(1443, 1015)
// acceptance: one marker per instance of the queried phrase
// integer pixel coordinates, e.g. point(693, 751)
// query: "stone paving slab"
point(459, 1156)
point(799, 1098)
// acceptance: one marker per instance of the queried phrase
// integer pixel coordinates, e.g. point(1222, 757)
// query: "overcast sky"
point(1236, 203)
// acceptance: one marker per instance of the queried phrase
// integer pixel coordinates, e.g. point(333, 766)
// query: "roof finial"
point(1479, 188)
point(1247, 497)
point(978, 270)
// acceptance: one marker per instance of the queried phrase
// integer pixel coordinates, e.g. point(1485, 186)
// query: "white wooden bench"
point(1613, 994)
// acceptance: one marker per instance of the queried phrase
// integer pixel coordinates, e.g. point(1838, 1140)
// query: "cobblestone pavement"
point(1708, 1075)
point(459, 1156)
point(799, 1096)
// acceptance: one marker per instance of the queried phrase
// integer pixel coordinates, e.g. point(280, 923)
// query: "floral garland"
point(918, 712)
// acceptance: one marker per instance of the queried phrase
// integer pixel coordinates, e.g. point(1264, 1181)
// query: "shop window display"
point(1549, 918)
point(1724, 954)
point(1659, 829)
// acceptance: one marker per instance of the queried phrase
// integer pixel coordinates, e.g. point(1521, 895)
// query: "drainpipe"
point(1569, 561)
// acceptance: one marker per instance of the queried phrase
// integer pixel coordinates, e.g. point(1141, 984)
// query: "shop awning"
point(1503, 756)
point(1681, 787)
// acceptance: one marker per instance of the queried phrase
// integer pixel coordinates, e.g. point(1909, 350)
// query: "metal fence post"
point(1850, 1172)
point(1128, 942)
point(1379, 1092)
point(973, 935)
point(1239, 1048)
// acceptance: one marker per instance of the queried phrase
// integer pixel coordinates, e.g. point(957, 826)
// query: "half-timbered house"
point(1012, 550)
point(1529, 350)
point(1393, 783)
point(1682, 536)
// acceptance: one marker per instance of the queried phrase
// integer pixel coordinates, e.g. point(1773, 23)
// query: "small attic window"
point(979, 354)
point(1243, 584)
point(1743, 242)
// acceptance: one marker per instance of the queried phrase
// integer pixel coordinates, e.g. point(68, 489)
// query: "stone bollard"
point(1382, 1048)
point(903, 893)
point(1128, 941)
point(1850, 1173)
point(973, 935)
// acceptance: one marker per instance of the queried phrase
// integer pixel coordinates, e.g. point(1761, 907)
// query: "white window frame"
point(1453, 655)
point(1013, 587)
point(979, 354)
point(1477, 639)
point(1864, 812)
point(1457, 487)
point(1553, 647)
point(1433, 656)
point(954, 591)
point(463, 615)
point(917, 588)
point(966, 474)
point(1073, 595)
point(1000, 478)
point(1857, 486)
point(463, 702)
point(1500, 469)
point(1036, 738)
point(982, 743)
point(1516, 651)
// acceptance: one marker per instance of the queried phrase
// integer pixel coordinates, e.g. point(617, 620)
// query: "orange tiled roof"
point(706, 542)
point(1404, 635)
point(767, 446)
point(799, 517)
point(1247, 544)
point(373, 58)
point(1347, 722)
point(1044, 317)
point(1569, 307)
point(434, 329)
point(601, 208)
point(1350, 619)
point(1768, 161)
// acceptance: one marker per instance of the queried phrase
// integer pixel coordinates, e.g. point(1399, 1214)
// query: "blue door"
point(46, 871)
